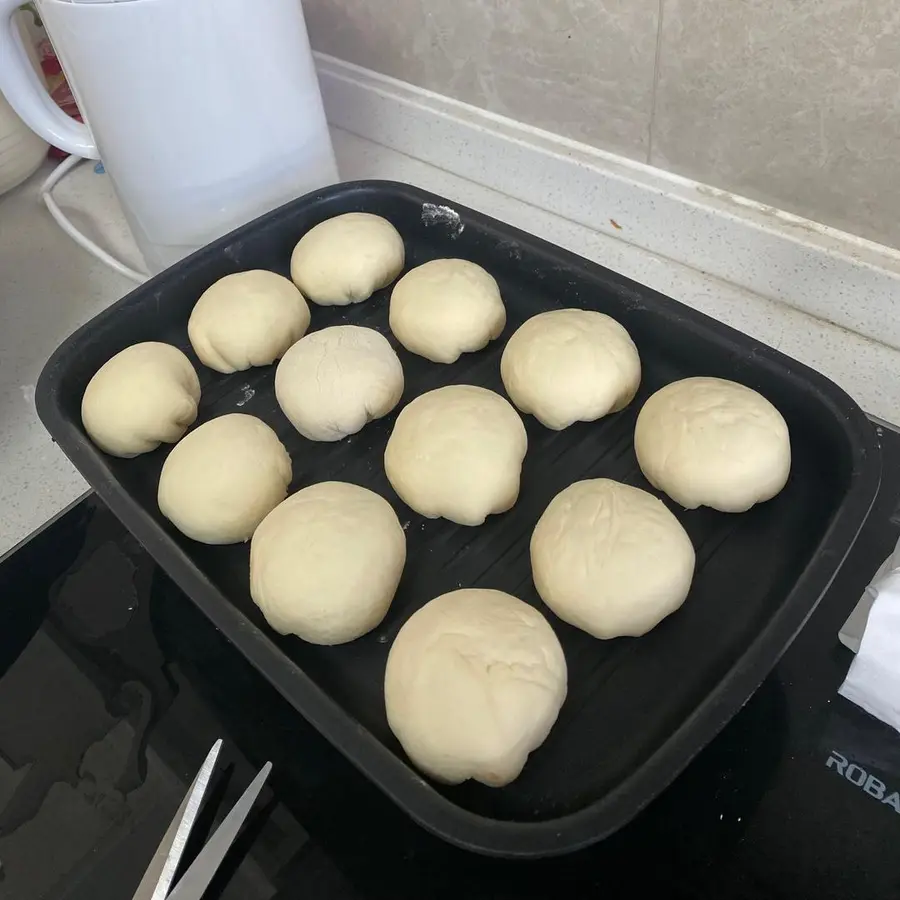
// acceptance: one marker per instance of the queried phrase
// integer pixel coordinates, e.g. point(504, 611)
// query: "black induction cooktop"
point(113, 687)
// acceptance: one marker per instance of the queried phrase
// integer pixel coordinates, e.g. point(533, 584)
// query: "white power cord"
point(46, 189)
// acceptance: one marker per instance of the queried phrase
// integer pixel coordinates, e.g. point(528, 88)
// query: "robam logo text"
point(860, 778)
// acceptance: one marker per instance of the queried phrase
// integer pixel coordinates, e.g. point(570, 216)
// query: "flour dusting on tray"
point(433, 214)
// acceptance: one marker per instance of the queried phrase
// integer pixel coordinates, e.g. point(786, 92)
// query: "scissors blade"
point(196, 879)
point(158, 878)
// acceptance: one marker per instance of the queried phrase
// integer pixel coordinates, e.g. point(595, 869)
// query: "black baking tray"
point(638, 709)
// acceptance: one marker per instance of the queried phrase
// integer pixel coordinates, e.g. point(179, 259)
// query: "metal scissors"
point(157, 881)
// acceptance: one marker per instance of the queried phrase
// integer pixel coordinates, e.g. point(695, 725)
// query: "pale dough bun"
point(346, 259)
point(474, 682)
point(457, 452)
point(325, 564)
point(144, 396)
point(220, 482)
point(445, 308)
point(710, 442)
point(332, 382)
point(570, 365)
point(247, 319)
point(610, 559)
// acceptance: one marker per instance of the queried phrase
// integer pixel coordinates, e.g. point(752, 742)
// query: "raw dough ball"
point(474, 682)
point(710, 442)
point(346, 259)
point(142, 397)
point(334, 381)
point(610, 559)
point(325, 564)
point(445, 308)
point(247, 319)
point(570, 365)
point(220, 482)
point(457, 452)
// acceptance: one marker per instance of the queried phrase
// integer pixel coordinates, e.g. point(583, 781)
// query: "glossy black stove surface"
point(113, 687)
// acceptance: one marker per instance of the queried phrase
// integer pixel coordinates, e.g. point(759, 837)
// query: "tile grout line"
point(655, 90)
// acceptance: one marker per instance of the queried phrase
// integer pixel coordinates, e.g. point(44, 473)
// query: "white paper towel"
point(873, 681)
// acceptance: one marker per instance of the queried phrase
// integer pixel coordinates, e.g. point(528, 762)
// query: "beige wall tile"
point(793, 102)
point(580, 68)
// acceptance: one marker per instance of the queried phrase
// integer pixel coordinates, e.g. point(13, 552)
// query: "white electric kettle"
point(206, 113)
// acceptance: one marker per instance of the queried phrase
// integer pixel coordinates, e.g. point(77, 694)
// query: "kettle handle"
point(25, 93)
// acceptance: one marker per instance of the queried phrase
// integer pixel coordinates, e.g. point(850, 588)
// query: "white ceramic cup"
point(206, 113)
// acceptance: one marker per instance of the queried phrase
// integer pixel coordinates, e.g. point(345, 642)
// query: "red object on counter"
point(58, 88)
